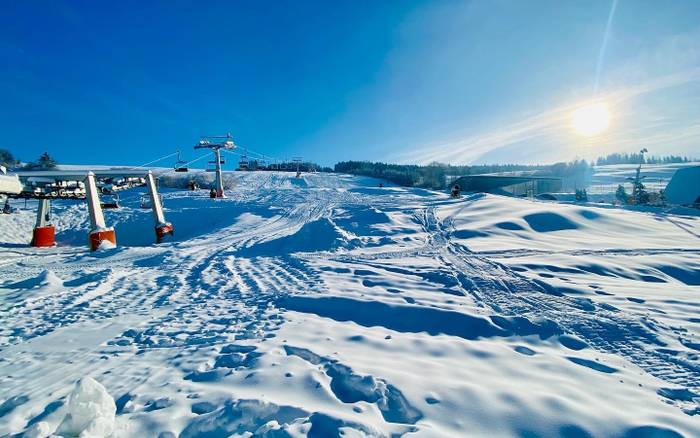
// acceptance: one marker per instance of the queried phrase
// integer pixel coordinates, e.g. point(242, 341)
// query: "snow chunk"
point(106, 245)
point(38, 430)
point(258, 417)
point(90, 409)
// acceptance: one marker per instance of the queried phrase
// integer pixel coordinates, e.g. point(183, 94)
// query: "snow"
point(684, 187)
point(327, 305)
point(90, 411)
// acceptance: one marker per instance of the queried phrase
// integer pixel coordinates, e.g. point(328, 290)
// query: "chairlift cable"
point(185, 164)
point(159, 159)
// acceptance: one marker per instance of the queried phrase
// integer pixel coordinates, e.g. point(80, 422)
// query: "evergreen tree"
point(44, 162)
point(621, 194)
point(6, 158)
point(639, 192)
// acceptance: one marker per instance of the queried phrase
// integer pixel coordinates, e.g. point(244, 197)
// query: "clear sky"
point(405, 81)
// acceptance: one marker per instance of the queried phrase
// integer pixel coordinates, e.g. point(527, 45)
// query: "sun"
point(591, 119)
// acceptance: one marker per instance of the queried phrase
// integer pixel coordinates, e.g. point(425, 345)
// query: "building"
point(684, 187)
point(515, 185)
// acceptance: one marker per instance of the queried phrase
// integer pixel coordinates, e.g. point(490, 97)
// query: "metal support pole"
point(43, 214)
point(44, 232)
point(163, 228)
point(219, 182)
point(97, 219)
point(158, 214)
point(99, 232)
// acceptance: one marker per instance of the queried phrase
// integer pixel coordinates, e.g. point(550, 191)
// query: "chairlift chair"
point(181, 165)
point(110, 201)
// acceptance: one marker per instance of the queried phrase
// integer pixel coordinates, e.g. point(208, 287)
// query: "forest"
point(438, 176)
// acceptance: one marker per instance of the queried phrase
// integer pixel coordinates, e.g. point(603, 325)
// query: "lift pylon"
point(163, 228)
point(205, 143)
point(44, 232)
point(99, 232)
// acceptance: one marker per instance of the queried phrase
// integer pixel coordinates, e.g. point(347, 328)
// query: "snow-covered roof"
point(684, 187)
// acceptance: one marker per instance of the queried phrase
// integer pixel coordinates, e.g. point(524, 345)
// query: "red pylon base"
point(97, 237)
point(162, 231)
point(43, 237)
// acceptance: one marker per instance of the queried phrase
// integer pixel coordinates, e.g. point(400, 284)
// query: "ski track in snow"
point(244, 322)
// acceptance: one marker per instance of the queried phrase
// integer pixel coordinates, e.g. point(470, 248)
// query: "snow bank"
point(493, 222)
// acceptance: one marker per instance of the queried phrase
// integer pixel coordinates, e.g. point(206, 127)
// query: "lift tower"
point(227, 143)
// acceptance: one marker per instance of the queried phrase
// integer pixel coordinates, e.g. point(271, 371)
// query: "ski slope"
point(327, 306)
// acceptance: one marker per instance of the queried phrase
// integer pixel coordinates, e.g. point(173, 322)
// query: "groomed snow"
point(326, 305)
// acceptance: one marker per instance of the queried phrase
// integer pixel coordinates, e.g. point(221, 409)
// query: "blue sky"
point(404, 81)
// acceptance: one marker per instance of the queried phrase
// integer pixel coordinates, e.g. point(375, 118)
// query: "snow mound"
point(252, 416)
point(318, 235)
point(47, 278)
point(492, 223)
point(416, 319)
point(546, 222)
point(90, 413)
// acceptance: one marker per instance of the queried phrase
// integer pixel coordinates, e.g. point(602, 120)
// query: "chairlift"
point(181, 165)
point(110, 201)
point(146, 201)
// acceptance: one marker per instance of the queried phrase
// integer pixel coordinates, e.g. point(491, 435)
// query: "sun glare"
point(591, 119)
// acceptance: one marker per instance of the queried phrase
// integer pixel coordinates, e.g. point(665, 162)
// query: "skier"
point(456, 191)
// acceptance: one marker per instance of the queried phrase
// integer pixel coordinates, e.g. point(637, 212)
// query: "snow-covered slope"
point(326, 305)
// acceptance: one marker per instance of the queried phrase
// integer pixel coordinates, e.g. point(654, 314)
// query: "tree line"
point(44, 162)
point(637, 158)
point(438, 176)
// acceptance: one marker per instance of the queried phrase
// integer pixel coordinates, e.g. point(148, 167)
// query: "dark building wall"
point(516, 185)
